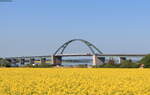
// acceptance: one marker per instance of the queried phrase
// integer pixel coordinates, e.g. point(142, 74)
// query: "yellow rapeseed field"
point(74, 81)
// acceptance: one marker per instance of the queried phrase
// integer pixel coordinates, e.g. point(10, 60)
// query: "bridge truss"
point(92, 47)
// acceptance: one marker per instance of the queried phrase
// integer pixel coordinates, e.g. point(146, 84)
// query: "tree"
point(110, 65)
point(129, 64)
point(4, 63)
point(146, 61)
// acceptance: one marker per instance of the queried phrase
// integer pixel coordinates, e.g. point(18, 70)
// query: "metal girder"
point(88, 44)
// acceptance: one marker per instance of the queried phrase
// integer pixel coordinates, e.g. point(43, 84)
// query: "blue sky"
point(39, 27)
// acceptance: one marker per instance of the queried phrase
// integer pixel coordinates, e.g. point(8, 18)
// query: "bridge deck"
point(68, 55)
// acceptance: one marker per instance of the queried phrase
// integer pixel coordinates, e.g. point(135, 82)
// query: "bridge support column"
point(122, 59)
point(12, 60)
point(57, 60)
point(43, 60)
point(22, 61)
point(98, 61)
point(32, 60)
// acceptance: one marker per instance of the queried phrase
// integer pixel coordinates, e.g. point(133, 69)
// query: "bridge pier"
point(57, 60)
point(32, 60)
point(98, 60)
point(12, 60)
point(122, 59)
point(43, 60)
point(22, 61)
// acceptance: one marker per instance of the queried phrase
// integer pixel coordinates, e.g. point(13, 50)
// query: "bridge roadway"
point(120, 55)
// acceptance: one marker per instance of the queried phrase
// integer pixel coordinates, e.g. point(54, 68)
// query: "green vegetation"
point(43, 65)
point(143, 63)
point(4, 63)
point(129, 64)
point(124, 64)
point(146, 61)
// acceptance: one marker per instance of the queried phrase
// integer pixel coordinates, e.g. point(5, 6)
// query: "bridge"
point(98, 56)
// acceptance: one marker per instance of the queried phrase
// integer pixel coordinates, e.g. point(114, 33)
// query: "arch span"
point(88, 44)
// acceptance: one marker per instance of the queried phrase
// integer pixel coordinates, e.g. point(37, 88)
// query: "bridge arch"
point(88, 44)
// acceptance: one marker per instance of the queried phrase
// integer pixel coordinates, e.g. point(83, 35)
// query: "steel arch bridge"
point(92, 47)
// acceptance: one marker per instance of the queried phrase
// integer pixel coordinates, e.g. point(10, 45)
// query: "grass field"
point(74, 81)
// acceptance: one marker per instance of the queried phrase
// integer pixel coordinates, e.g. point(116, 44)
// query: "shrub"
point(124, 64)
point(82, 65)
point(111, 66)
point(146, 61)
point(4, 63)
point(45, 65)
point(40, 65)
point(128, 64)
point(107, 66)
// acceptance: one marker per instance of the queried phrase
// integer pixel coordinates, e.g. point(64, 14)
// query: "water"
point(76, 64)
